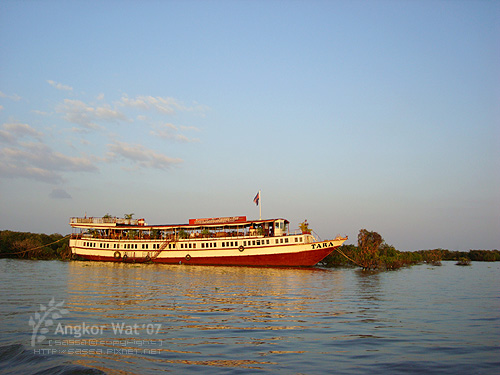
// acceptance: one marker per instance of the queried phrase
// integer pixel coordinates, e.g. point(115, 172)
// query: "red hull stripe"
point(300, 259)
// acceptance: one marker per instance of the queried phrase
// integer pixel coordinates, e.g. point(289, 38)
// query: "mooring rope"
point(352, 260)
point(39, 247)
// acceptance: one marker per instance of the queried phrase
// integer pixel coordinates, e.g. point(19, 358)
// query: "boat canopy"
point(194, 224)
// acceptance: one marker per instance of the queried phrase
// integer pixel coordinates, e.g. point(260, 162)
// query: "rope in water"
point(352, 260)
point(39, 247)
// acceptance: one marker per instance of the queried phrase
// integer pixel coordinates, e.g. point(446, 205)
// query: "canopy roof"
point(194, 224)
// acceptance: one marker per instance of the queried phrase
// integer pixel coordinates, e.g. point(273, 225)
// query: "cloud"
point(14, 97)
point(59, 194)
point(189, 128)
point(59, 86)
point(141, 156)
point(37, 161)
point(10, 132)
point(78, 112)
point(170, 131)
point(40, 113)
point(166, 105)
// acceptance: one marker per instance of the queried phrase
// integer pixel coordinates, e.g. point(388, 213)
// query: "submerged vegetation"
point(372, 252)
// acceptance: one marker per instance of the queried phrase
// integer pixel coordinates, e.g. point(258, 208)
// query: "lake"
point(114, 318)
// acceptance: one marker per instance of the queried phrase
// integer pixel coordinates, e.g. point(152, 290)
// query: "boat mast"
point(260, 206)
point(256, 201)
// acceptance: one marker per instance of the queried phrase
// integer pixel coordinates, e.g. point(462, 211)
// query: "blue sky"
point(381, 115)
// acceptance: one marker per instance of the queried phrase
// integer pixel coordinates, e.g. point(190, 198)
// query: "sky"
point(382, 115)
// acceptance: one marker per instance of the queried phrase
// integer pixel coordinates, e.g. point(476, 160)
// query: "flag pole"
point(260, 206)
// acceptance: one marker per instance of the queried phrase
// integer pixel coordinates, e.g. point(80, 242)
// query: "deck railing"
point(102, 220)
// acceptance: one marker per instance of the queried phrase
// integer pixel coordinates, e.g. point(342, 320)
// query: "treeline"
point(27, 245)
point(372, 252)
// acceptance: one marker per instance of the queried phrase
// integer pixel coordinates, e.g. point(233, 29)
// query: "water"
point(225, 320)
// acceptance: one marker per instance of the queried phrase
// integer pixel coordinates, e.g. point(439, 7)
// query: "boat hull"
point(301, 255)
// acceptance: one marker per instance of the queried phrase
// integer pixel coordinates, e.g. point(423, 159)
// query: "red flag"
point(256, 199)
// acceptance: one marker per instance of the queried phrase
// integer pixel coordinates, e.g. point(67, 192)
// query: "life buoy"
point(117, 255)
point(74, 256)
point(241, 248)
point(125, 256)
point(187, 257)
point(148, 258)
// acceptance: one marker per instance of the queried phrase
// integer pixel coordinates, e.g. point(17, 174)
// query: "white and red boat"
point(212, 241)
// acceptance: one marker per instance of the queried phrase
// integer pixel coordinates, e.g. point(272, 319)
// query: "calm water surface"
point(225, 320)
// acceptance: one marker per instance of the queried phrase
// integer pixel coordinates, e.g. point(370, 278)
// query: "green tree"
point(368, 249)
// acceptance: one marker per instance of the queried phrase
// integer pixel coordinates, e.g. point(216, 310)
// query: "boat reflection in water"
point(195, 315)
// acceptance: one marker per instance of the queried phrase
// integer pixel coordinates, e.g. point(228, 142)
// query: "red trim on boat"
point(307, 258)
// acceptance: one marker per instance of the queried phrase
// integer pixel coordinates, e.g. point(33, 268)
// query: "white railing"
point(102, 220)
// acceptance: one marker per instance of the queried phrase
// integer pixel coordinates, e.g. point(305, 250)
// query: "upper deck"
point(232, 222)
point(104, 222)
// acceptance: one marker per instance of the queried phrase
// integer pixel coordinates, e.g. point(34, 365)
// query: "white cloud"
point(40, 113)
point(78, 112)
point(194, 128)
point(11, 132)
point(170, 131)
point(14, 97)
point(59, 86)
point(141, 156)
point(59, 194)
point(167, 105)
point(37, 161)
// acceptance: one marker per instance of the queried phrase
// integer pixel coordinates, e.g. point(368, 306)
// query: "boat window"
point(258, 242)
point(223, 244)
point(236, 243)
point(286, 240)
point(194, 246)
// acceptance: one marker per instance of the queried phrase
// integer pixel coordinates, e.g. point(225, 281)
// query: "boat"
point(233, 241)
